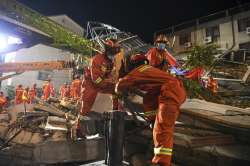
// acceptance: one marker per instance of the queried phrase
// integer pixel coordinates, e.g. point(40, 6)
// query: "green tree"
point(202, 56)
point(199, 56)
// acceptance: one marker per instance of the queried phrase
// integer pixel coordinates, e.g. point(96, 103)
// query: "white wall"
point(226, 35)
point(36, 53)
point(42, 52)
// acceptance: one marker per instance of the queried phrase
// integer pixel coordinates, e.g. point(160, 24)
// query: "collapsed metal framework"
point(98, 32)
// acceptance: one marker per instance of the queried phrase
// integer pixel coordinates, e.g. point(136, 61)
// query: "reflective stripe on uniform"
point(143, 68)
point(98, 80)
point(103, 68)
point(24, 97)
point(163, 151)
point(150, 113)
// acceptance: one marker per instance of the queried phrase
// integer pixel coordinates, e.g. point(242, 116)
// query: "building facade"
point(229, 29)
point(42, 52)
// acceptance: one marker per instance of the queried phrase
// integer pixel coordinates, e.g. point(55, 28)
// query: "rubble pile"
point(28, 136)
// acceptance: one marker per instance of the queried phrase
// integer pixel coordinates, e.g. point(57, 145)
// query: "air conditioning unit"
point(187, 44)
point(248, 30)
point(208, 39)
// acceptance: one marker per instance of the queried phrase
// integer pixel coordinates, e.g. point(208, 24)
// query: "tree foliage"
point(199, 56)
point(62, 37)
point(202, 56)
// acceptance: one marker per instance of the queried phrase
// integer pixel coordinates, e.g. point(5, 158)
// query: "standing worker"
point(68, 91)
point(32, 93)
point(158, 56)
point(212, 85)
point(3, 101)
point(25, 95)
point(63, 90)
point(19, 93)
point(98, 76)
point(48, 89)
point(171, 95)
point(25, 98)
point(76, 87)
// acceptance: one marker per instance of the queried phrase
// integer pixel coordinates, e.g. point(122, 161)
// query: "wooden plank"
point(209, 106)
point(49, 110)
point(212, 140)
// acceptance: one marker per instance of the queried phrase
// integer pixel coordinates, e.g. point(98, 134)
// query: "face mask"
point(161, 46)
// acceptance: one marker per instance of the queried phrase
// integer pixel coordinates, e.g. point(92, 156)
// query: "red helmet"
point(112, 47)
point(136, 58)
point(161, 39)
point(111, 43)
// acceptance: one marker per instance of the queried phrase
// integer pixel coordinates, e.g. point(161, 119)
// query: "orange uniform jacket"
point(97, 81)
point(62, 91)
point(195, 74)
point(76, 88)
point(32, 94)
point(19, 93)
point(213, 85)
point(48, 90)
point(25, 97)
point(156, 58)
point(100, 70)
point(3, 101)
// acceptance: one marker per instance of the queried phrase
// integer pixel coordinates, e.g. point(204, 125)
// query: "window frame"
point(246, 23)
point(184, 38)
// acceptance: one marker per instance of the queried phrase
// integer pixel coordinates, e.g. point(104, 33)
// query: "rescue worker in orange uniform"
point(32, 93)
point(195, 74)
point(19, 93)
point(63, 89)
point(48, 89)
point(171, 95)
point(3, 101)
point(25, 95)
point(76, 87)
point(212, 85)
point(68, 90)
point(158, 56)
point(97, 78)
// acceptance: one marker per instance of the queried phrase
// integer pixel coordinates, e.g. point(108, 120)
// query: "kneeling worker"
point(171, 95)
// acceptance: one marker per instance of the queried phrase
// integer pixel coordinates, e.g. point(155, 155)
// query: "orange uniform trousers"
point(19, 93)
point(170, 94)
point(76, 88)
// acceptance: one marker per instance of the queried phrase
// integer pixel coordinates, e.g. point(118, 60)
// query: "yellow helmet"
point(161, 39)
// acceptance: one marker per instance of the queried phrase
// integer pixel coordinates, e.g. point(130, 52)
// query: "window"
point(245, 46)
point(214, 32)
point(184, 38)
point(243, 24)
point(44, 75)
point(241, 56)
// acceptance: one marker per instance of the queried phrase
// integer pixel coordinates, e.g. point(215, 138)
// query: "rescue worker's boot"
point(79, 134)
